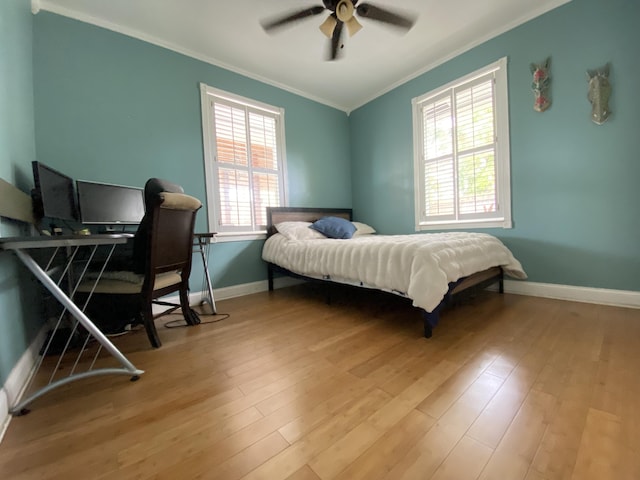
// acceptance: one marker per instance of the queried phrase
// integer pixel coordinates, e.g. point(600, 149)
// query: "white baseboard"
point(254, 287)
point(195, 298)
point(601, 296)
point(19, 378)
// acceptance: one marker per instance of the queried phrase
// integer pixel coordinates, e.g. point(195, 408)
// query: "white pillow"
point(363, 229)
point(298, 231)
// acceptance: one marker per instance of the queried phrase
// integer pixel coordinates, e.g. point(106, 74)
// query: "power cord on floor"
point(181, 323)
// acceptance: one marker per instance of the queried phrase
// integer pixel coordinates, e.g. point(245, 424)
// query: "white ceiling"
point(227, 33)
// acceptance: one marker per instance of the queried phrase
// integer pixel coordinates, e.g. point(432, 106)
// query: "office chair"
point(161, 262)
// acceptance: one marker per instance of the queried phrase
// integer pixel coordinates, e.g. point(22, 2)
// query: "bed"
point(429, 269)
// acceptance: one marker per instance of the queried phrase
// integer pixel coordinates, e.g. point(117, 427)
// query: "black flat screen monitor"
point(54, 194)
point(106, 204)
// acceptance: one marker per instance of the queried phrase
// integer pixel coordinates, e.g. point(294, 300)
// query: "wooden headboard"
point(276, 215)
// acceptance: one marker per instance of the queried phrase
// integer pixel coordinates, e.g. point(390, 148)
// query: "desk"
point(202, 242)
point(75, 268)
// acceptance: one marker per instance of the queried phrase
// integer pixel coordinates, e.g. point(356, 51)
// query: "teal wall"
point(18, 315)
point(575, 185)
point(115, 109)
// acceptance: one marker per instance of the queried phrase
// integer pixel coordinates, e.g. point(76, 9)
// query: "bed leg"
point(501, 282)
point(270, 277)
point(430, 320)
point(428, 331)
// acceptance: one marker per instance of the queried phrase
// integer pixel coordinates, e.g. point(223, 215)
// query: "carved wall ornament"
point(541, 84)
point(599, 93)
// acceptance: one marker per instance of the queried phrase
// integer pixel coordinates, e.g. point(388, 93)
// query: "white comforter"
point(418, 266)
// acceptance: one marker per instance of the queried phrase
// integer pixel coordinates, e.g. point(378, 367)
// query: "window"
point(244, 162)
point(461, 151)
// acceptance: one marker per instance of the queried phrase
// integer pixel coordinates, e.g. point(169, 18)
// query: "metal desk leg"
point(203, 245)
point(127, 367)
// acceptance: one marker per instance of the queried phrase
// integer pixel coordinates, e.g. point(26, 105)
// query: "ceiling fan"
point(343, 13)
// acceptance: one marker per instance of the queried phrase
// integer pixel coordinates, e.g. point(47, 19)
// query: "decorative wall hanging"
point(540, 85)
point(599, 93)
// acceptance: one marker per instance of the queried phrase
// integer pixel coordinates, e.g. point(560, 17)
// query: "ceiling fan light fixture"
point(344, 10)
point(328, 25)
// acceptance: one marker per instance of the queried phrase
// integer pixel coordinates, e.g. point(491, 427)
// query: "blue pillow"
point(334, 227)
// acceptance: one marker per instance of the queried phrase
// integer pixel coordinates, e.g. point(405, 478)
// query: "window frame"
point(502, 217)
point(208, 95)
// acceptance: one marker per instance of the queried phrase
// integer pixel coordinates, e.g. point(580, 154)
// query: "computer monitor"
point(107, 204)
point(53, 195)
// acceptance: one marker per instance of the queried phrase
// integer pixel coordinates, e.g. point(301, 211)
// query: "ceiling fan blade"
point(329, 25)
point(335, 40)
point(293, 17)
point(366, 10)
point(353, 26)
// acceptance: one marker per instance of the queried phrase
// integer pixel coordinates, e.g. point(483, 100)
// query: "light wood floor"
point(510, 387)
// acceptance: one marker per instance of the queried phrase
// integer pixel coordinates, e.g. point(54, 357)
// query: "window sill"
point(239, 236)
point(464, 225)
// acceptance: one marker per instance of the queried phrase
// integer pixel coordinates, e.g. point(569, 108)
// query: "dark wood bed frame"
point(475, 281)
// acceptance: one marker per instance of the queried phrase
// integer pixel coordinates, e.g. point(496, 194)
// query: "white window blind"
point(245, 161)
point(462, 155)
